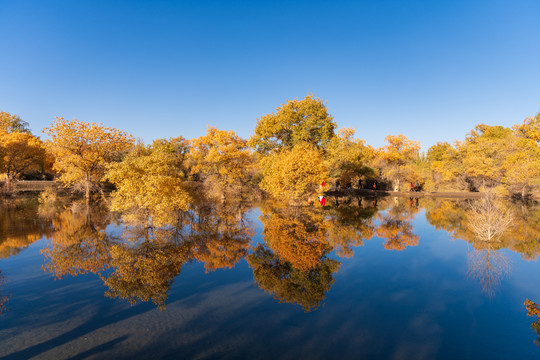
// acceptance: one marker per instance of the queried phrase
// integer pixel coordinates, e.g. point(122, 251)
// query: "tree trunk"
point(8, 185)
point(87, 191)
point(396, 185)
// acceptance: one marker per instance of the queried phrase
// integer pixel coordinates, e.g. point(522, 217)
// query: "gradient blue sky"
point(431, 70)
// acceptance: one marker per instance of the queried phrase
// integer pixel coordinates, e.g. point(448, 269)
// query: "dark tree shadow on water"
point(96, 322)
point(99, 349)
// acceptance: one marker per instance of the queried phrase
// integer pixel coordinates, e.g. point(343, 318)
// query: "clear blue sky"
point(431, 70)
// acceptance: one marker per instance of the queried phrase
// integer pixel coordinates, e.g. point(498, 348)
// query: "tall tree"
point(221, 157)
point(346, 157)
point(446, 162)
point(295, 122)
point(12, 123)
point(83, 150)
point(396, 157)
point(530, 128)
point(292, 174)
point(484, 150)
point(150, 183)
point(522, 165)
point(20, 151)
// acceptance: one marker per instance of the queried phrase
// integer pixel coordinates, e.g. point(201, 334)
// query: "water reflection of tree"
point(148, 258)
point(20, 226)
point(144, 270)
point(79, 243)
point(293, 265)
point(522, 236)
point(488, 221)
point(220, 235)
point(533, 310)
point(279, 277)
point(3, 298)
point(349, 225)
point(296, 235)
point(395, 226)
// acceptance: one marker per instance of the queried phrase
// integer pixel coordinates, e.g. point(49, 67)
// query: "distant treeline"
point(293, 154)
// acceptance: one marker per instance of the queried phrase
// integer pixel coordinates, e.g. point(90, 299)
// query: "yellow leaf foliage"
point(293, 174)
point(83, 150)
point(522, 165)
point(346, 158)
point(149, 183)
point(12, 123)
point(222, 155)
point(395, 158)
point(295, 122)
point(20, 152)
point(530, 128)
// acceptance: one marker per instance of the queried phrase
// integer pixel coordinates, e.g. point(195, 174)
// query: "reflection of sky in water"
point(416, 303)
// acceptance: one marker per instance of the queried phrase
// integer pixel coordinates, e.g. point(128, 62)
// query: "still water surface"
point(392, 278)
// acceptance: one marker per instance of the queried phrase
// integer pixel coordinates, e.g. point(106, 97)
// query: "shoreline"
point(435, 194)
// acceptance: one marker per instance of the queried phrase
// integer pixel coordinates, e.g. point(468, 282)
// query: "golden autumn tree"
point(12, 123)
point(295, 122)
point(396, 158)
point(530, 128)
point(222, 159)
point(150, 183)
point(484, 151)
point(522, 166)
point(446, 162)
point(19, 152)
point(178, 147)
point(346, 158)
point(83, 150)
point(293, 174)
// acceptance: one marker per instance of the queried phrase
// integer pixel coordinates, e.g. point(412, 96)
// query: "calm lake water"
point(393, 278)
